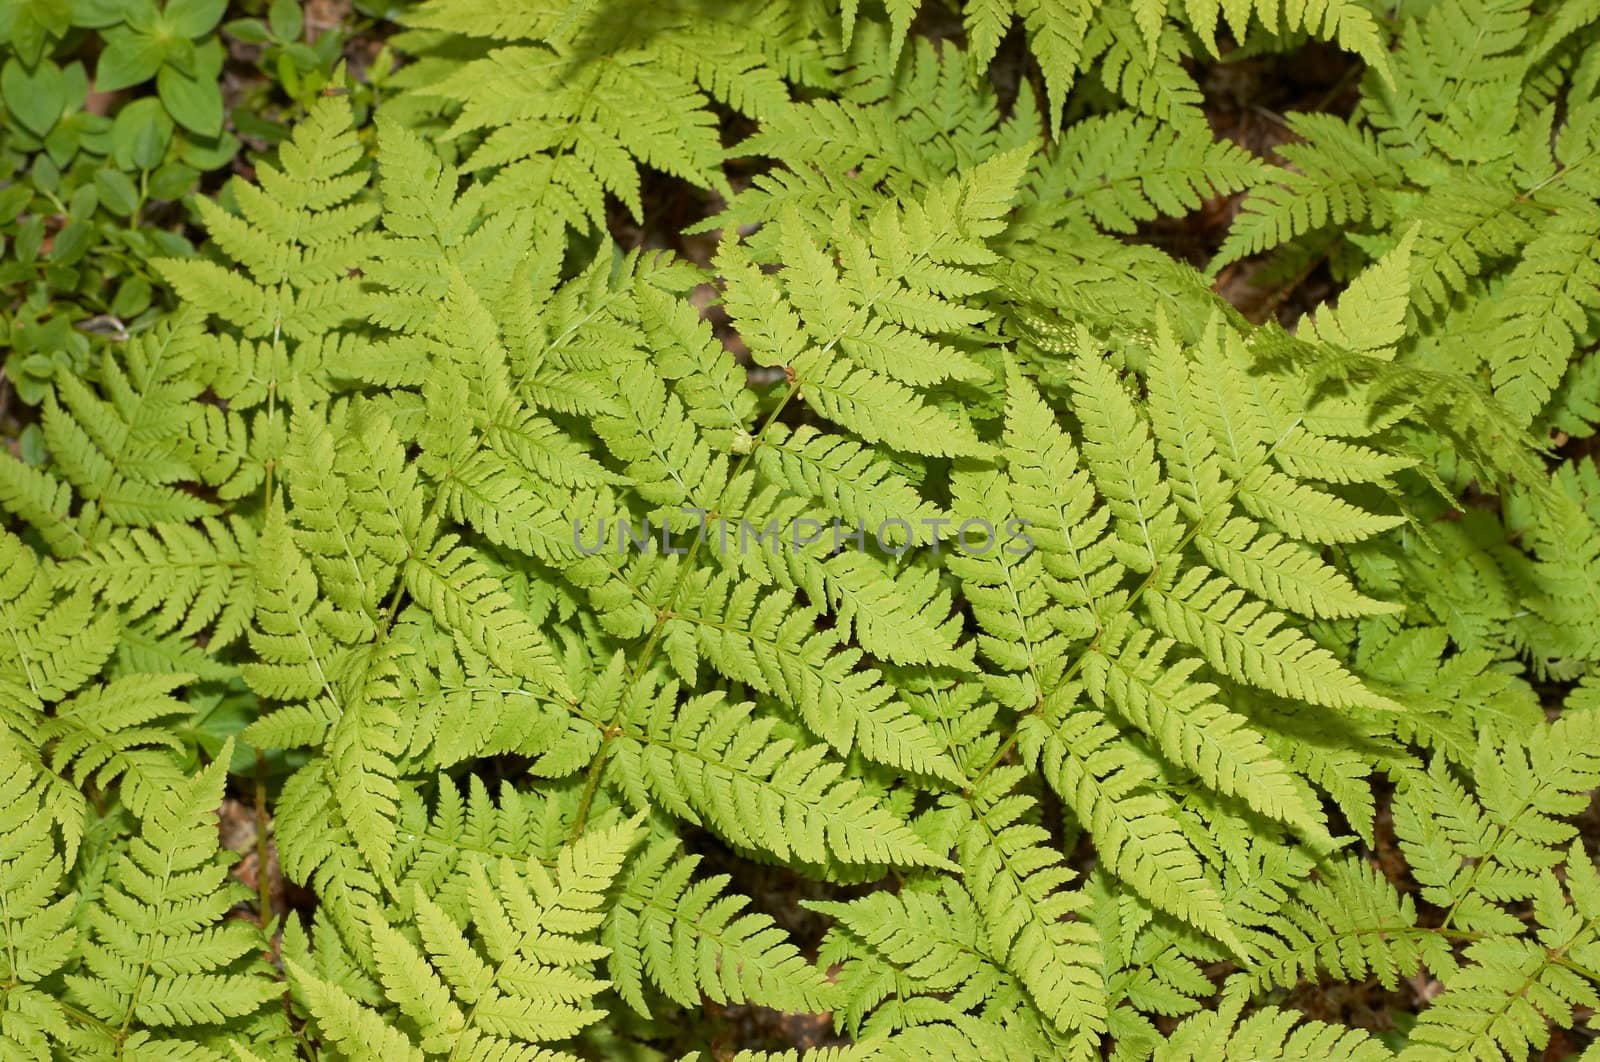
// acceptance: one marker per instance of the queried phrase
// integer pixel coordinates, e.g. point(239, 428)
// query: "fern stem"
point(83, 1017)
point(263, 883)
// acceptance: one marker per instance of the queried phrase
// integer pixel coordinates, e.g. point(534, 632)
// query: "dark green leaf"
point(196, 104)
point(286, 19)
point(71, 243)
point(33, 23)
point(36, 99)
point(13, 201)
point(172, 181)
point(247, 31)
point(46, 174)
point(210, 153)
point(133, 298)
point(30, 237)
point(117, 192)
point(194, 18)
point(94, 132)
point(83, 202)
point(305, 57)
point(170, 244)
point(129, 58)
point(102, 13)
point(62, 143)
point(140, 135)
point(255, 126)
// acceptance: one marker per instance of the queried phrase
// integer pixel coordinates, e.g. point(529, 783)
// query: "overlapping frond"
point(160, 950)
point(930, 552)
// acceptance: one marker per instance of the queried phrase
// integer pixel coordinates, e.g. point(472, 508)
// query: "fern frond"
point(762, 640)
point(37, 931)
point(187, 579)
point(1473, 853)
point(466, 600)
point(517, 973)
point(707, 760)
point(104, 734)
point(690, 938)
point(299, 235)
point(1121, 169)
point(1269, 1033)
point(160, 950)
point(1016, 882)
point(911, 958)
point(1501, 1002)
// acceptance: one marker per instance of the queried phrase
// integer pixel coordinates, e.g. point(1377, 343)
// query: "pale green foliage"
point(1482, 149)
point(1134, 43)
point(558, 104)
point(518, 975)
point(117, 452)
point(1478, 849)
point(159, 952)
point(527, 594)
point(1268, 1035)
point(37, 934)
